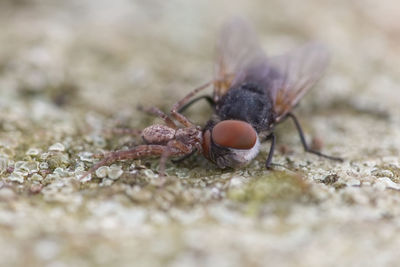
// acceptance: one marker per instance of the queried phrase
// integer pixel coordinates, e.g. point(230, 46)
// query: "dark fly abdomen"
point(249, 103)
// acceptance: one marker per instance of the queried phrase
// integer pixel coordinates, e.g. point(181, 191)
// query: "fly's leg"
point(271, 150)
point(157, 112)
point(208, 98)
point(181, 103)
point(303, 140)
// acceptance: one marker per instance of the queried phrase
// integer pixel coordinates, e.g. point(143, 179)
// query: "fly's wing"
point(297, 72)
point(237, 50)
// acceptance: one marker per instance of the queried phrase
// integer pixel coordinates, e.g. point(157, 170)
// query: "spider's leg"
point(157, 112)
point(174, 148)
point(137, 152)
point(181, 103)
point(184, 157)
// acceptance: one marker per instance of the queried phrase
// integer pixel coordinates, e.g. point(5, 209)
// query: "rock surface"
point(72, 71)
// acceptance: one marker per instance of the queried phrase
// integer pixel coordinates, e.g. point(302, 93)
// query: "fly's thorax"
point(230, 143)
point(247, 102)
point(158, 134)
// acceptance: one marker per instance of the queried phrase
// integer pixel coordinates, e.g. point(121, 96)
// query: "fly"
point(252, 94)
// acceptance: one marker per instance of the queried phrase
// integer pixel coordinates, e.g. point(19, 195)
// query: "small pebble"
point(226, 175)
point(57, 147)
point(36, 177)
point(106, 182)
point(86, 156)
point(16, 177)
point(3, 164)
point(52, 177)
point(86, 179)
point(60, 172)
point(32, 152)
point(44, 165)
point(30, 166)
point(382, 173)
point(182, 173)
point(102, 171)
point(384, 182)
point(44, 155)
point(19, 164)
point(114, 172)
point(353, 182)
point(150, 174)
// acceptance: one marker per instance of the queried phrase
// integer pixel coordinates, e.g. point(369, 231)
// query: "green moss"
point(276, 186)
point(277, 190)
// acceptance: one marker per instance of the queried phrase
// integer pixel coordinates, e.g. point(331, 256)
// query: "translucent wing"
point(297, 72)
point(237, 49)
point(286, 78)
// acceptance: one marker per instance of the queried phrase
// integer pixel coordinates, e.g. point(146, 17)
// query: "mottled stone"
point(57, 147)
point(73, 73)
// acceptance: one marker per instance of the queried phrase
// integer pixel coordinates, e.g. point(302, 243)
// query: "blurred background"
point(168, 48)
point(70, 70)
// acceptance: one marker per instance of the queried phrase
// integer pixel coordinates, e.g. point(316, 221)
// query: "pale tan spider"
point(160, 140)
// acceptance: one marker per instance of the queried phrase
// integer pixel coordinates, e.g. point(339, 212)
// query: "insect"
point(253, 93)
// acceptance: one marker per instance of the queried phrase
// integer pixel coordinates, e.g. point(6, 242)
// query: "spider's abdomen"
point(158, 134)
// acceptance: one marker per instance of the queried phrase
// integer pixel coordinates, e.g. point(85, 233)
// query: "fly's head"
point(230, 143)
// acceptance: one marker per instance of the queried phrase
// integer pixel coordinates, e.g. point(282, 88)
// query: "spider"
point(160, 140)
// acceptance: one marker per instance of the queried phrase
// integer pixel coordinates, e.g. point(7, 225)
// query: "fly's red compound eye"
point(234, 134)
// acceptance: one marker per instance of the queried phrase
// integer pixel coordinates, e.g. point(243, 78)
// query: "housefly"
point(252, 94)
